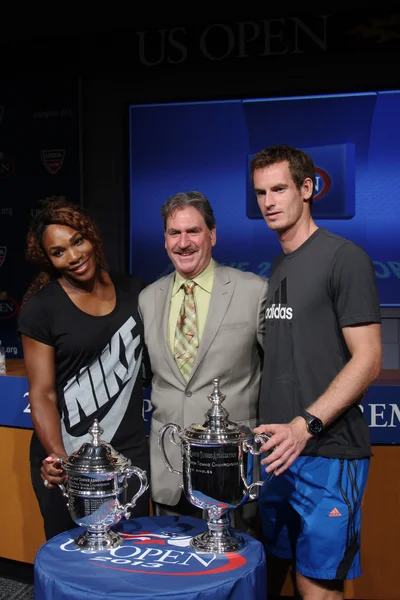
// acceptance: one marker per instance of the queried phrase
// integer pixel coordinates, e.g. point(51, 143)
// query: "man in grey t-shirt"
point(322, 351)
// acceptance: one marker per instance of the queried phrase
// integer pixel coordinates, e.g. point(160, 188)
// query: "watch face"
point(315, 425)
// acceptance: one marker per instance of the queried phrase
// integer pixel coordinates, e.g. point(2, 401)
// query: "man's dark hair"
point(185, 199)
point(301, 164)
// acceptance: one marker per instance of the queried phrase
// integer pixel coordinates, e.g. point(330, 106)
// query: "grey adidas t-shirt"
point(326, 284)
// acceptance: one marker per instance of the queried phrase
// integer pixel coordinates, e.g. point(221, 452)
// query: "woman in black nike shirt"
point(82, 339)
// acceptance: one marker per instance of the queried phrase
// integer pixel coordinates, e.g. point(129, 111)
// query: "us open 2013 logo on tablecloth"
point(162, 554)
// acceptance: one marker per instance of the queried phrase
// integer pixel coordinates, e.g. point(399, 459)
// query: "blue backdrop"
point(206, 146)
point(381, 407)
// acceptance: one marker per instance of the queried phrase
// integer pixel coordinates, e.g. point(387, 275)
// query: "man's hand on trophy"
point(287, 441)
point(51, 471)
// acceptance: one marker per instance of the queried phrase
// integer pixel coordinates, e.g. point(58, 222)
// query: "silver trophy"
point(216, 472)
point(95, 487)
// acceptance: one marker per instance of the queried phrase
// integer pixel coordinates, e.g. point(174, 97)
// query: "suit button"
point(188, 394)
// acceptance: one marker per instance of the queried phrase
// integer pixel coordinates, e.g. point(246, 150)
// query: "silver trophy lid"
point(96, 456)
point(217, 428)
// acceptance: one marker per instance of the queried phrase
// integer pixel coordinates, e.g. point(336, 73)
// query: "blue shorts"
point(312, 512)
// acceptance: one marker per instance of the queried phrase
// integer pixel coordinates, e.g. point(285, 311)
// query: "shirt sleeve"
point(353, 287)
point(33, 321)
point(261, 313)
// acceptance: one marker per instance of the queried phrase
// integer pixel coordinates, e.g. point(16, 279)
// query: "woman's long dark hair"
point(57, 210)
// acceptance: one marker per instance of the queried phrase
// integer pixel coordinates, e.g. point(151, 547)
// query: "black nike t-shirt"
point(326, 284)
point(97, 363)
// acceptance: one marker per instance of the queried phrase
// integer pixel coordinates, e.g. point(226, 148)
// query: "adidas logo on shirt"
point(279, 308)
point(276, 311)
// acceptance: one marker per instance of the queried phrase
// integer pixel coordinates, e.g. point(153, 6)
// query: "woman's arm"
point(40, 368)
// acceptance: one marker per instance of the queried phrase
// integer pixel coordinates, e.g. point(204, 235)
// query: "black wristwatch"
point(314, 425)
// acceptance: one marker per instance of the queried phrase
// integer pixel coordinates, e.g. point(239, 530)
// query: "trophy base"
point(218, 539)
point(98, 540)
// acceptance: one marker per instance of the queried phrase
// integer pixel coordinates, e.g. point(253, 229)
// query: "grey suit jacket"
point(229, 349)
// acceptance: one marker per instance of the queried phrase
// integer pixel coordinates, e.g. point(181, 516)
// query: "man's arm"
point(365, 345)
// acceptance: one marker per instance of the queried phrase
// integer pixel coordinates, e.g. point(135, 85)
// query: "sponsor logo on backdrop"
point(52, 160)
point(3, 252)
point(322, 183)
point(35, 212)
point(1, 113)
point(160, 554)
point(60, 113)
point(5, 212)
point(7, 166)
point(8, 306)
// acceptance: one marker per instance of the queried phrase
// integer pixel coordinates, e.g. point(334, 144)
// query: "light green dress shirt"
point(202, 295)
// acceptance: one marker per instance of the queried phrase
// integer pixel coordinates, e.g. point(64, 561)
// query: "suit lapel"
point(163, 299)
point(220, 299)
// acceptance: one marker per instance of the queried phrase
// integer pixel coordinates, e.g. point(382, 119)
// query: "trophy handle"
point(175, 429)
point(259, 438)
point(61, 485)
point(253, 495)
point(143, 487)
point(63, 490)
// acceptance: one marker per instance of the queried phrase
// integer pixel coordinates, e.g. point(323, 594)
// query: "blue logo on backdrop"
point(334, 194)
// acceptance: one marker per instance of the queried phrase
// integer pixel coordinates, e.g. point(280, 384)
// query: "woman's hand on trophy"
point(51, 471)
point(287, 441)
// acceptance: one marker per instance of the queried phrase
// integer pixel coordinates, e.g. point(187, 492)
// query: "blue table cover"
point(154, 561)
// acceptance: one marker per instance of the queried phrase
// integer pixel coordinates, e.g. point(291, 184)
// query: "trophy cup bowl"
point(216, 471)
point(95, 488)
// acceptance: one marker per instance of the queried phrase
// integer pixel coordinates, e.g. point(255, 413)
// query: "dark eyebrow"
point(190, 230)
point(274, 187)
point(71, 239)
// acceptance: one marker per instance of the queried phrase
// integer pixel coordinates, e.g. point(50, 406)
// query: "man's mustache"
point(190, 248)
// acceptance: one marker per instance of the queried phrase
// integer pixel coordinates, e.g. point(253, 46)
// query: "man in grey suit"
point(220, 335)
